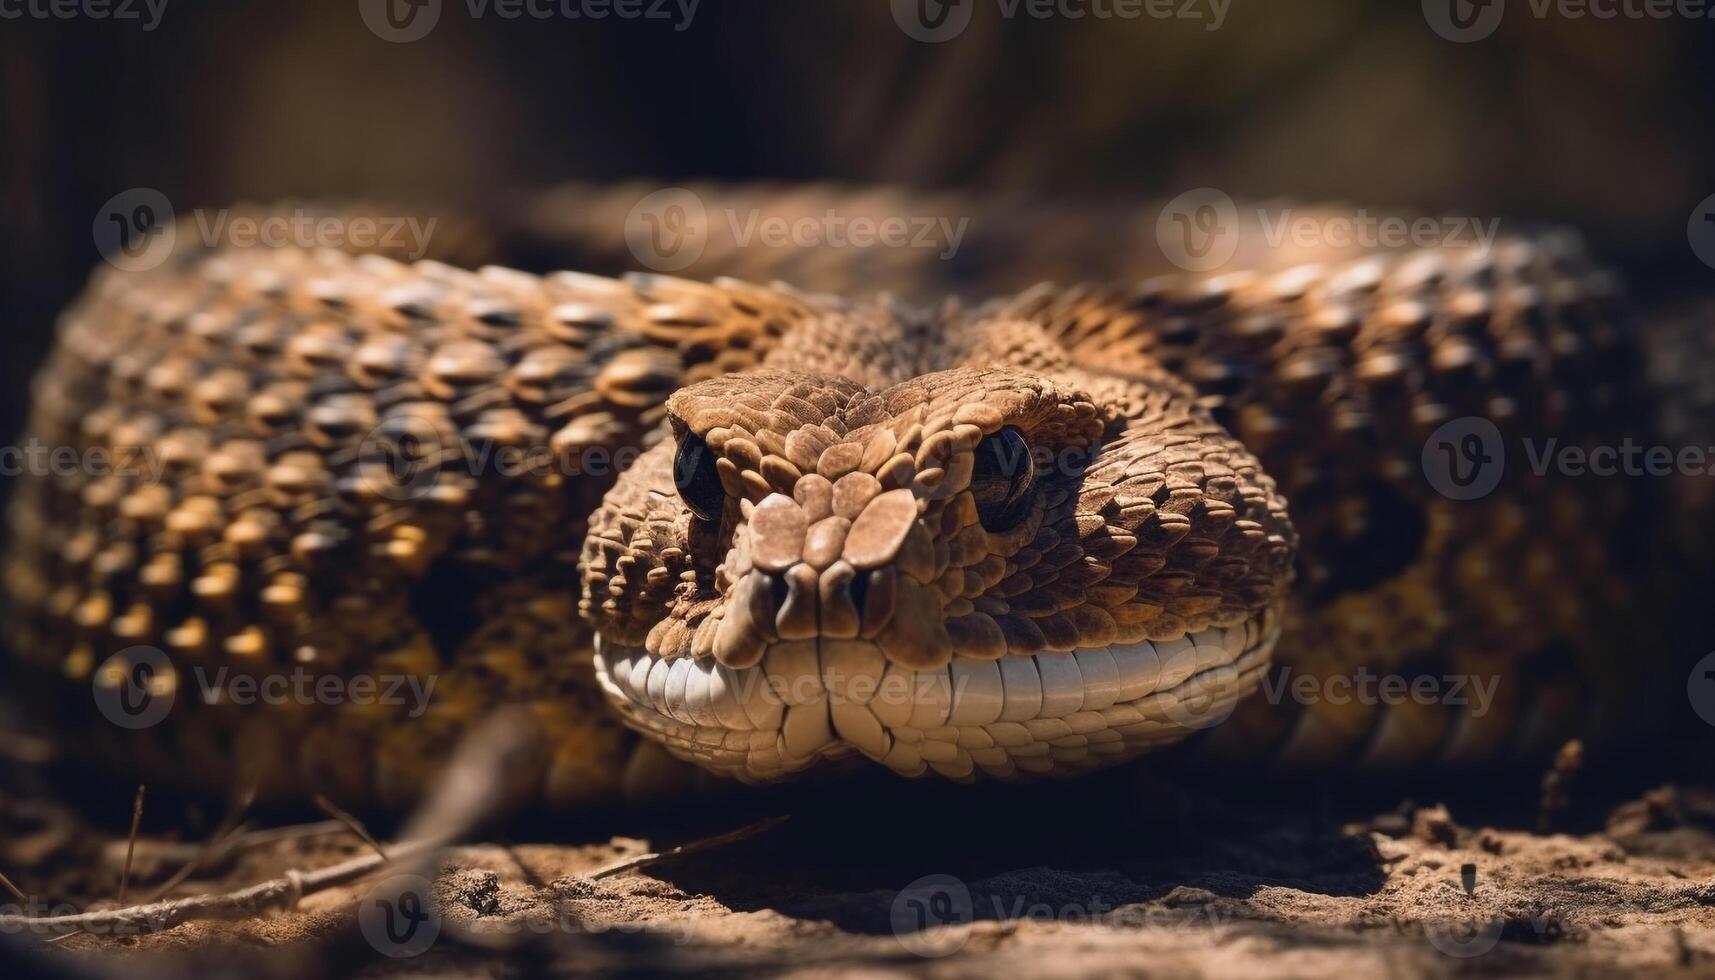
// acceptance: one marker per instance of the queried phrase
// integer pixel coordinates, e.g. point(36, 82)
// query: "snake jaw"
point(847, 597)
point(1020, 716)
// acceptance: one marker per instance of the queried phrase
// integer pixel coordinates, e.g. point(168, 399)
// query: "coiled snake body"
point(766, 528)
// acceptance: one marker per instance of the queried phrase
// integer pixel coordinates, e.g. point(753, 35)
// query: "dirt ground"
point(1124, 875)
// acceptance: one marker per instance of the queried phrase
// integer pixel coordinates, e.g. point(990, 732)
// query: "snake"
point(941, 516)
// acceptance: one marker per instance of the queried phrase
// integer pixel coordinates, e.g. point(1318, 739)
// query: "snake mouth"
point(1015, 717)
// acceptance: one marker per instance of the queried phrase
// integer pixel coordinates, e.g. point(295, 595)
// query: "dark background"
point(1600, 123)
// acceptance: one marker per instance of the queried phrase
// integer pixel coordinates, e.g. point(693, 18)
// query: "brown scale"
point(258, 377)
point(1334, 376)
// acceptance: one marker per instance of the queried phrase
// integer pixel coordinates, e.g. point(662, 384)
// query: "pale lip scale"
point(1019, 716)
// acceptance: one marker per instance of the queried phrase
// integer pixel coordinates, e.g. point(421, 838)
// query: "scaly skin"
point(320, 508)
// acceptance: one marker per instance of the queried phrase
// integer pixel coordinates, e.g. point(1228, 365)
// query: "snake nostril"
point(778, 589)
point(860, 590)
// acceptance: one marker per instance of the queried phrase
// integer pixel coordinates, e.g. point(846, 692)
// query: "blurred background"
point(1601, 123)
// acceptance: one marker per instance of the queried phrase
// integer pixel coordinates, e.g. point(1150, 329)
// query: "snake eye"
point(695, 475)
point(1002, 479)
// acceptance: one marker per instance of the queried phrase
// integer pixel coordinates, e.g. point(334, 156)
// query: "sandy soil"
point(1123, 876)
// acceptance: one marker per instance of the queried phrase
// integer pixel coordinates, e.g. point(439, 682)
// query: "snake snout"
point(802, 575)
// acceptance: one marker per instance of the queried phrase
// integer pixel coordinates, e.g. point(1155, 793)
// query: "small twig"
point(467, 794)
point(275, 893)
point(693, 847)
point(7, 884)
point(227, 827)
point(350, 822)
point(131, 845)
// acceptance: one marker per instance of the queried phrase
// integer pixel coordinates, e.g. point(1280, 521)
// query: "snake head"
point(981, 570)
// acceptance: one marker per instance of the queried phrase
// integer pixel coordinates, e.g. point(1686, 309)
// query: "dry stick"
point(227, 827)
point(707, 843)
point(467, 793)
point(274, 893)
point(20, 896)
point(242, 838)
point(351, 823)
point(465, 796)
point(131, 844)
